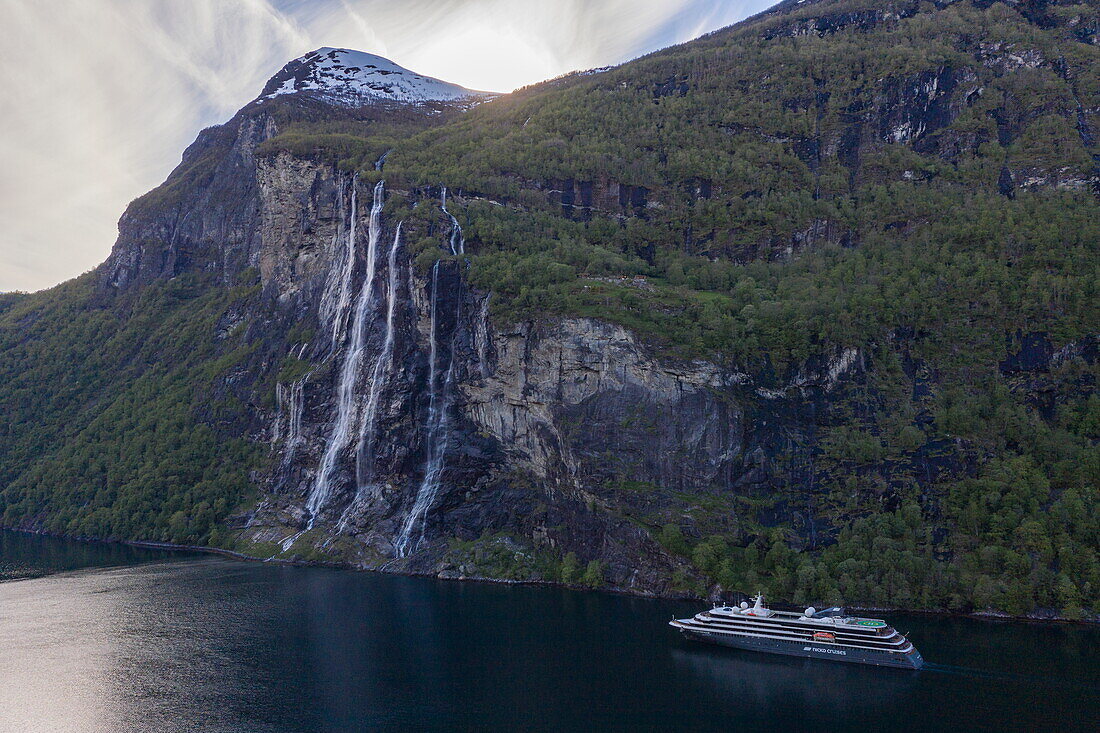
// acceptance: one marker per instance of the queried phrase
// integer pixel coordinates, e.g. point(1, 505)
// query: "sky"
point(99, 98)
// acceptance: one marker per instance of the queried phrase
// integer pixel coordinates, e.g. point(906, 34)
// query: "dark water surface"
point(31, 556)
point(149, 641)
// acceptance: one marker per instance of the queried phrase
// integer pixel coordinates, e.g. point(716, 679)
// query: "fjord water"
point(121, 639)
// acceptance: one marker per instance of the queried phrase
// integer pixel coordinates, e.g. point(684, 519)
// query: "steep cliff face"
point(203, 218)
point(409, 421)
point(411, 432)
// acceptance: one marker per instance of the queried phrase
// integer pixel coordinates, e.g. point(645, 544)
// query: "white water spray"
point(288, 542)
point(277, 429)
point(291, 398)
point(436, 438)
point(336, 307)
point(381, 162)
point(345, 389)
point(364, 452)
point(458, 242)
point(482, 336)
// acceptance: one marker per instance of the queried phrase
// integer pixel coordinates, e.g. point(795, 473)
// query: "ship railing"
point(695, 624)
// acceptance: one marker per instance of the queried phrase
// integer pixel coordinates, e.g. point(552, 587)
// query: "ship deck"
point(895, 644)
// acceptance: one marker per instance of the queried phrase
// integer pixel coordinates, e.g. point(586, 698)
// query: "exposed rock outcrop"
point(523, 430)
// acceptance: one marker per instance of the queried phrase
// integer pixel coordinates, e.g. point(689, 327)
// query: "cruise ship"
point(828, 634)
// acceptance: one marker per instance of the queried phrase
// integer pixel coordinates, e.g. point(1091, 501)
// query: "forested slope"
point(900, 196)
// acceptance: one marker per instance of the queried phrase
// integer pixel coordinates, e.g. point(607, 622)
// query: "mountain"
point(806, 305)
point(353, 78)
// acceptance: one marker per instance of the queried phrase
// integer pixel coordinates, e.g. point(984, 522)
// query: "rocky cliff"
point(411, 432)
point(412, 421)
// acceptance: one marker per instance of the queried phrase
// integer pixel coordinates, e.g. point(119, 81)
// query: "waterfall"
point(288, 542)
point(481, 334)
point(458, 243)
point(381, 162)
point(292, 398)
point(277, 429)
point(382, 366)
point(294, 424)
point(337, 275)
point(345, 389)
point(436, 437)
point(335, 307)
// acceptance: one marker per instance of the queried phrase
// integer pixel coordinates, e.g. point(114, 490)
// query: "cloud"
point(102, 96)
point(100, 100)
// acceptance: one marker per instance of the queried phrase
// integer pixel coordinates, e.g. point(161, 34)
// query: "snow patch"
point(353, 78)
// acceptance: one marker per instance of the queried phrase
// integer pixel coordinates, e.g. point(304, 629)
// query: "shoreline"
point(988, 615)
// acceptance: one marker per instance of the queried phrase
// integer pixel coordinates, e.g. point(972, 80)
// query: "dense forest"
point(101, 435)
point(914, 181)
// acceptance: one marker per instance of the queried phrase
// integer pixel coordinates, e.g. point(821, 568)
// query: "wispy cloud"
point(101, 96)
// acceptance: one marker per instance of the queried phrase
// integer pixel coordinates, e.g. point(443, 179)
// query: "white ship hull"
point(815, 650)
point(830, 634)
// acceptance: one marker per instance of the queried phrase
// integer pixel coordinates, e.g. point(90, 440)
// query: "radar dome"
point(811, 611)
point(744, 605)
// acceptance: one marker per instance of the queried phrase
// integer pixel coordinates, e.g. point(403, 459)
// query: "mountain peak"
point(355, 78)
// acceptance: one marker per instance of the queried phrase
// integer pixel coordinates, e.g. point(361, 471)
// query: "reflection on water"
point(47, 686)
point(766, 682)
point(28, 556)
point(190, 644)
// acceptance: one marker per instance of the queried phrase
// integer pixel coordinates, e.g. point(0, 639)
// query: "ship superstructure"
point(828, 634)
